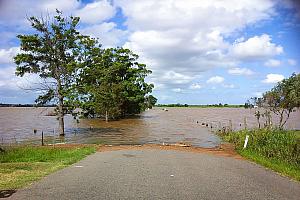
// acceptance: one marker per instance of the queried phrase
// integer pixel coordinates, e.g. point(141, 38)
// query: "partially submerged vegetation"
point(269, 144)
point(21, 165)
point(77, 72)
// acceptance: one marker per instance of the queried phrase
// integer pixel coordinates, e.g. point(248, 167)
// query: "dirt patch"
point(226, 150)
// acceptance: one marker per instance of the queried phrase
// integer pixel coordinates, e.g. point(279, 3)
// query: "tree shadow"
point(6, 193)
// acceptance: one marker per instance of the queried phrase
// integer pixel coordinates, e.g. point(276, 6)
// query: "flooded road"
point(153, 126)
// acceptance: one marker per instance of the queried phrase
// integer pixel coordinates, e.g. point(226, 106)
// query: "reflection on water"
point(153, 126)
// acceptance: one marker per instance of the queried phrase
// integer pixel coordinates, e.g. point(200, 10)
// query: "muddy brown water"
point(155, 126)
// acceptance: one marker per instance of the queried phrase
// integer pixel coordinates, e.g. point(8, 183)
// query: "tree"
point(54, 52)
point(114, 84)
point(151, 101)
point(284, 98)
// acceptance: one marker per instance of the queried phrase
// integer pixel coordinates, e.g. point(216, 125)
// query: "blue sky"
point(200, 52)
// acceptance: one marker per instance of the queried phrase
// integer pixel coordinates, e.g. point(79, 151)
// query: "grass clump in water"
point(273, 148)
point(22, 165)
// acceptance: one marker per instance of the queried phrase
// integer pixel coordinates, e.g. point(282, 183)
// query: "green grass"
point(286, 169)
point(275, 149)
point(20, 166)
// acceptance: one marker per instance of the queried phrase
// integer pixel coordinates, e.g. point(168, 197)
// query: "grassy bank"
point(275, 149)
point(19, 166)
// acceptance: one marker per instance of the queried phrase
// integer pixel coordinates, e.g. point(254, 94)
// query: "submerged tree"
point(54, 52)
point(284, 98)
point(114, 84)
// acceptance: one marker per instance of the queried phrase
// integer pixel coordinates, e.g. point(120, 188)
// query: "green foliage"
point(77, 72)
point(114, 84)
point(280, 166)
point(281, 99)
point(270, 143)
point(150, 101)
point(54, 52)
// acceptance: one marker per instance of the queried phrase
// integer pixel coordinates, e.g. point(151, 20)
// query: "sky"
point(199, 51)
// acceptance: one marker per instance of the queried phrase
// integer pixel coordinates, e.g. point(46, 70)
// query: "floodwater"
point(186, 125)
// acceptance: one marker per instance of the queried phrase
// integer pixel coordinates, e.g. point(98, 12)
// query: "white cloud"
point(15, 11)
point(215, 80)
point(177, 90)
point(273, 78)
point(172, 77)
point(292, 62)
point(96, 12)
point(272, 63)
point(107, 33)
point(8, 79)
point(240, 71)
point(227, 15)
point(195, 43)
point(52, 5)
point(231, 86)
point(7, 55)
point(256, 48)
point(195, 86)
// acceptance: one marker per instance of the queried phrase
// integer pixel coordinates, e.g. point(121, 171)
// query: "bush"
point(271, 143)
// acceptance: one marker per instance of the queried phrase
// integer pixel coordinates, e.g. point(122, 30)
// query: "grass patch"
point(286, 169)
point(275, 149)
point(19, 166)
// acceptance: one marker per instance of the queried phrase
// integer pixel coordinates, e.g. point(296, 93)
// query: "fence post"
point(42, 138)
point(230, 125)
point(245, 123)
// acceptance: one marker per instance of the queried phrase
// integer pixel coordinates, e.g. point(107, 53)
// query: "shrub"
point(271, 143)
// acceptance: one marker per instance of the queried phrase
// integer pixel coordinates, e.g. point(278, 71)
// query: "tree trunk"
point(281, 119)
point(61, 123)
point(106, 116)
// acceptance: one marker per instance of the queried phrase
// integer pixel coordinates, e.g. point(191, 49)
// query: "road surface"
point(161, 174)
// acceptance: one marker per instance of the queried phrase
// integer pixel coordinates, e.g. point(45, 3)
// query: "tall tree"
point(54, 52)
point(115, 84)
point(284, 98)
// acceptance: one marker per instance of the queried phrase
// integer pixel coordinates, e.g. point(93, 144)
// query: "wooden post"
point(245, 123)
point(53, 137)
point(230, 125)
point(42, 138)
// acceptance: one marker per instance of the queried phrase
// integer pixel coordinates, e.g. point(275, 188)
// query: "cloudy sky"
point(200, 51)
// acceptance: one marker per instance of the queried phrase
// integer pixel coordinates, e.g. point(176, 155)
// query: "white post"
point(246, 141)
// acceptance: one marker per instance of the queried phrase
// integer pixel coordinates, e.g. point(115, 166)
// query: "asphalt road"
point(157, 174)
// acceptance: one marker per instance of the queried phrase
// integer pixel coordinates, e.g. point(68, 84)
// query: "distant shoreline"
point(199, 106)
point(24, 105)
